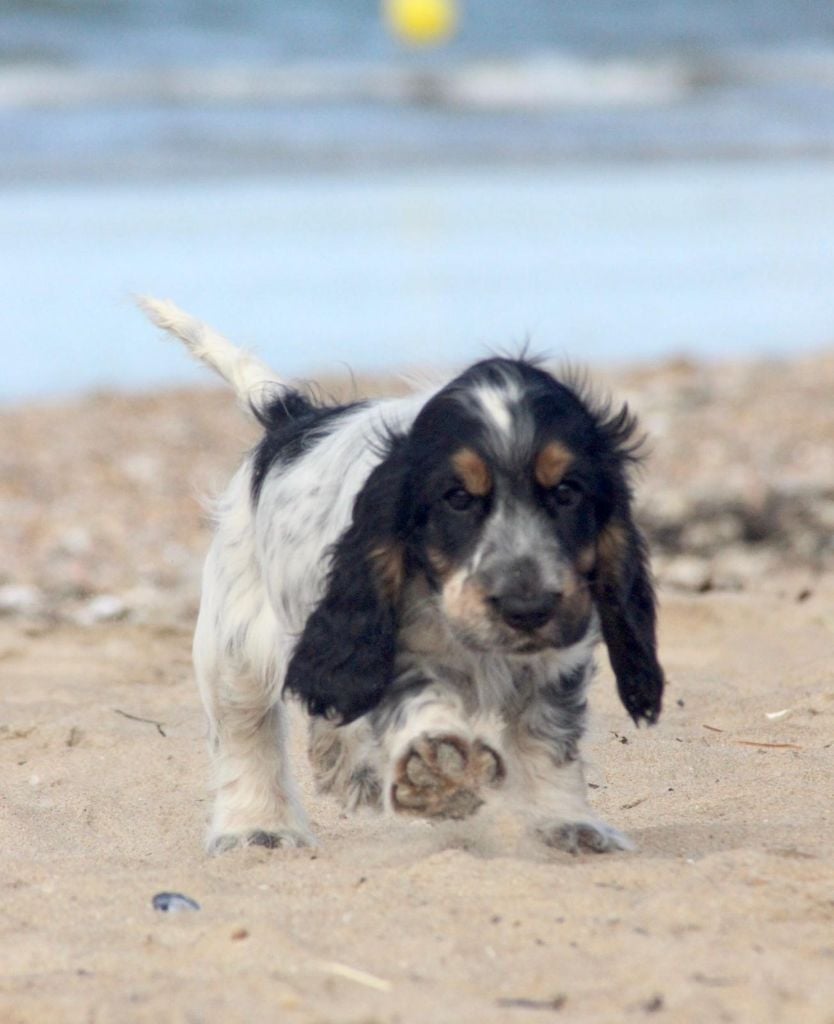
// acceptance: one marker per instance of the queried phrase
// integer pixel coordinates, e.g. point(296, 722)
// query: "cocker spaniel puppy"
point(430, 576)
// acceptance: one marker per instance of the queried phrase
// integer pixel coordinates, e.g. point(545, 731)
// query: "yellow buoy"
point(421, 22)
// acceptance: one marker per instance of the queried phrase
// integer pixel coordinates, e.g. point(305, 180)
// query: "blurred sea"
point(615, 180)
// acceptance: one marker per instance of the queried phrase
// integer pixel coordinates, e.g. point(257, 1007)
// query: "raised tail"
point(253, 382)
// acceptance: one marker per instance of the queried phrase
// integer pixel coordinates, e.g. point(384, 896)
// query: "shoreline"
point(293, 170)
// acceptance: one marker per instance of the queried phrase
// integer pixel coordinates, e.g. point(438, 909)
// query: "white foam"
point(533, 83)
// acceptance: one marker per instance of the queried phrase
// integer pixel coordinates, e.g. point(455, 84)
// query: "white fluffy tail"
point(253, 381)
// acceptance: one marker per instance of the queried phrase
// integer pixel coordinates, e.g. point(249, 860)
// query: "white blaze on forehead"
point(496, 405)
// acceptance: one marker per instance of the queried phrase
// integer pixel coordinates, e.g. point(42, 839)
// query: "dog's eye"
point(567, 494)
point(459, 499)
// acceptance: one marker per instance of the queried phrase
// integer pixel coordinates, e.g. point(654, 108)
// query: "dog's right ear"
point(344, 660)
point(626, 603)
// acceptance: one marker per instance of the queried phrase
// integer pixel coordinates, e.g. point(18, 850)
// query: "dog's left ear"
point(625, 600)
point(344, 660)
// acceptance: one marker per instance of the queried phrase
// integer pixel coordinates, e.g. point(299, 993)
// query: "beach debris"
point(20, 599)
point(74, 736)
point(138, 718)
point(756, 743)
point(75, 541)
point(739, 478)
point(104, 608)
point(173, 902)
point(774, 716)
point(768, 746)
point(353, 974)
point(523, 1003)
point(688, 572)
point(16, 732)
point(633, 803)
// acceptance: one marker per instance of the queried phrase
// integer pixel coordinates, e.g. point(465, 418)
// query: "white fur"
point(251, 380)
point(494, 403)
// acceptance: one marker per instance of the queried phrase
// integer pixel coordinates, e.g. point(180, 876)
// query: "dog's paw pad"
point(441, 776)
point(451, 758)
point(270, 840)
point(418, 772)
point(596, 836)
point(278, 839)
point(490, 767)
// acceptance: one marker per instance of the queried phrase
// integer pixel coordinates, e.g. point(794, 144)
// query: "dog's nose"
point(526, 612)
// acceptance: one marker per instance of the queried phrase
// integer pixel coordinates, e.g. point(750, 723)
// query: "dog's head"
point(509, 496)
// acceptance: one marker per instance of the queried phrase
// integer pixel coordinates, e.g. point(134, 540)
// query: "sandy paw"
point(596, 836)
point(443, 776)
point(277, 839)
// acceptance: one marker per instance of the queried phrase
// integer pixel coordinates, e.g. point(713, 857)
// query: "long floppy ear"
point(625, 600)
point(344, 660)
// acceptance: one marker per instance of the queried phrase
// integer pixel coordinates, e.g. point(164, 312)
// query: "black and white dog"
point(430, 575)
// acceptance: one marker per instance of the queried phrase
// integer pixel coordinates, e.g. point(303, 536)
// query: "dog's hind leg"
point(236, 651)
point(345, 762)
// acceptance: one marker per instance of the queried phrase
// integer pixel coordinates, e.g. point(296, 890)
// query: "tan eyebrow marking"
point(552, 462)
point(473, 472)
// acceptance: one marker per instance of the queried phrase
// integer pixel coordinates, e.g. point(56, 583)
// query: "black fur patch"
point(626, 603)
point(293, 423)
point(344, 660)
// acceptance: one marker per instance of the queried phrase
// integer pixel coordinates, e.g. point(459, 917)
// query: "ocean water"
point(612, 180)
point(90, 88)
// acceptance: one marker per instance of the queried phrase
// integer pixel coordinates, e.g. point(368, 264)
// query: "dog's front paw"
point(575, 836)
point(443, 776)
point(283, 838)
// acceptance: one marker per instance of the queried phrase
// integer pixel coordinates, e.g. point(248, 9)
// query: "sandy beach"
point(725, 912)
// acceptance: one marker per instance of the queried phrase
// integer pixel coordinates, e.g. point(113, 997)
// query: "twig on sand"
point(633, 803)
point(756, 743)
point(137, 718)
point(522, 1003)
point(355, 975)
point(771, 746)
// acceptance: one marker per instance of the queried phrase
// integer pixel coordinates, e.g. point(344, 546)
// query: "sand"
point(725, 912)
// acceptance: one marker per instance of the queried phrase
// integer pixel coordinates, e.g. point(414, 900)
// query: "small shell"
point(173, 902)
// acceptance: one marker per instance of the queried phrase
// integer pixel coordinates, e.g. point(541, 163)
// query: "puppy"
point(429, 575)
